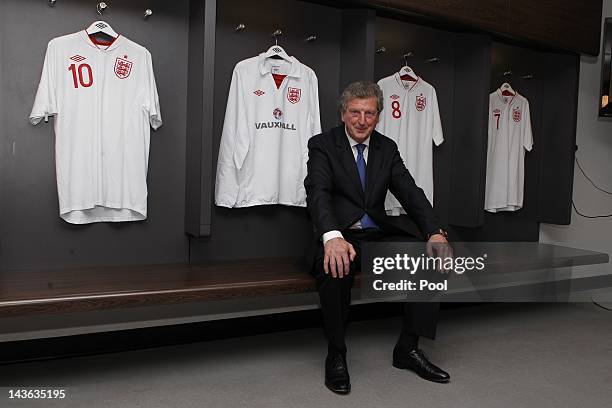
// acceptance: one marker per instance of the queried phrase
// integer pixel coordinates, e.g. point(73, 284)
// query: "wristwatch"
point(438, 231)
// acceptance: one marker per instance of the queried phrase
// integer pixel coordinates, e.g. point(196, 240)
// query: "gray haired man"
point(350, 169)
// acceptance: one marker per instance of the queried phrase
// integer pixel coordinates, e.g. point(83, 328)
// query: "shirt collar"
point(294, 71)
point(399, 81)
point(114, 45)
point(506, 100)
point(353, 142)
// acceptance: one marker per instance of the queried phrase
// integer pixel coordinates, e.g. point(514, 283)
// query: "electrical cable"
point(594, 185)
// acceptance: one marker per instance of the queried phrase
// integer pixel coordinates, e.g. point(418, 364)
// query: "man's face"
point(360, 118)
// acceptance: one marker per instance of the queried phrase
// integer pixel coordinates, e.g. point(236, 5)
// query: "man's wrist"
point(331, 235)
point(438, 231)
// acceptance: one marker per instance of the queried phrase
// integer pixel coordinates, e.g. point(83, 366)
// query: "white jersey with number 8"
point(411, 118)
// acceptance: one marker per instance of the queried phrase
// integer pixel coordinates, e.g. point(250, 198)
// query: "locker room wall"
point(32, 234)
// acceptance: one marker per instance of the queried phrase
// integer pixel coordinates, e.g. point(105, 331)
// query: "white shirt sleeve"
point(331, 235)
point(526, 131)
point(436, 133)
point(315, 118)
point(382, 118)
point(151, 102)
point(234, 145)
point(45, 104)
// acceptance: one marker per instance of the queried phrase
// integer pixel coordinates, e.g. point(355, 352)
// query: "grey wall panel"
point(358, 46)
point(471, 103)
point(200, 105)
point(559, 137)
point(269, 231)
point(33, 235)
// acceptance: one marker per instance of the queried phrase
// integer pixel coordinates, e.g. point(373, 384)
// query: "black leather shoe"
point(415, 360)
point(336, 374)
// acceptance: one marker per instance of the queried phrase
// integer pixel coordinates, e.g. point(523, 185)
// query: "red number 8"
point(396, 112)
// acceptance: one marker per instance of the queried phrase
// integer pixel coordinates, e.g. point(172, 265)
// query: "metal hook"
point(276, 34)
point(311, 38)
point(52, 3)
point(432, 60)
point(406, 55)
point(100, 7)
point(240, 27)
point(148, 13)
point(381, 50)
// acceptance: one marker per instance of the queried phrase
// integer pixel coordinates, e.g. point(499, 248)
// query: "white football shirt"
point(264, 144)
point(104, 99)
point(411, 118)
point(509, 136)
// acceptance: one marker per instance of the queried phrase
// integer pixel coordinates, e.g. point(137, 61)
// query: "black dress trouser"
point(419, 318)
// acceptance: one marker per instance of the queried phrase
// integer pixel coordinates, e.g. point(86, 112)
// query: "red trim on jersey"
point(278, 79)
point(97, 42)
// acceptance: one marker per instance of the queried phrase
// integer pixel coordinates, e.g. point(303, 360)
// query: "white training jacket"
point(263, 151)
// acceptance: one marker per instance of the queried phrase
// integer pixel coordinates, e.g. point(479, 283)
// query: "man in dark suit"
point(350, 169)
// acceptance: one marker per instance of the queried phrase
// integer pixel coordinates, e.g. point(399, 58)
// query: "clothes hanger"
point(276, 51)
point(101, 31)
point(406, 73)
point(506, 90)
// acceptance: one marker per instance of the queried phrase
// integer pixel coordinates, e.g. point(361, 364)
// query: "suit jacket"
point(334, 196)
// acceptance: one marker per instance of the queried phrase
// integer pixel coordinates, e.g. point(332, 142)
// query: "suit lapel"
point(347, 159)
point(374, 162)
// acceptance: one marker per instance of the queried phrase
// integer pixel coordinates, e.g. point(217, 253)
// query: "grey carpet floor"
point(504, 355)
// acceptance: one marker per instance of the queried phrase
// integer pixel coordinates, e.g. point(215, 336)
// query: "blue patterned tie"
point(366, 221)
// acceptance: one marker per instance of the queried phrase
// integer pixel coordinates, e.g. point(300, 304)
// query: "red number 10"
point(80, 70)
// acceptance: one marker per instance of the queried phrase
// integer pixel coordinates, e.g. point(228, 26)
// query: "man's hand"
point(338, 257)
point(437, 243)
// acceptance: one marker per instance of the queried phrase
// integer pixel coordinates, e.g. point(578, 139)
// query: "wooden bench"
point(112, 287)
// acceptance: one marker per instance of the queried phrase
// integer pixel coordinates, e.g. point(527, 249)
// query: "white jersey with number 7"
point(509, 136)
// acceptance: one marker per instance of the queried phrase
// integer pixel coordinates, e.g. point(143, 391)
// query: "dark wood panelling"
point(568, 24)
point(86, 289)
point(488, 15)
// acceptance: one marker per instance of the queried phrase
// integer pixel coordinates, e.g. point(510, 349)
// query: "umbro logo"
point(101, 25)
point(77, 58)
point(394, 97)
point(277, 49)
point(259, 92)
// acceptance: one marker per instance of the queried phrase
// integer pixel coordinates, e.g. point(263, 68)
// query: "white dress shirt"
point(335, 233)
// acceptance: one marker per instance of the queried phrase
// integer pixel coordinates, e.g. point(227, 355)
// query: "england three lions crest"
point(123, 68)
point(294, 95)
point(420, 103)
point(516, 114)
